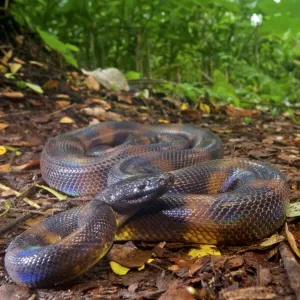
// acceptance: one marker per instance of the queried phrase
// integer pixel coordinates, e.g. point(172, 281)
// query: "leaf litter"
point(267, 270)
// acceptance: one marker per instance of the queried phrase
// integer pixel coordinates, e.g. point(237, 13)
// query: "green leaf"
point(131, 75)
point(64, 49)
point(35, 87)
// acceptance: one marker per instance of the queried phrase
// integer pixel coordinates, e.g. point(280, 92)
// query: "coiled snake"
point(154, 183)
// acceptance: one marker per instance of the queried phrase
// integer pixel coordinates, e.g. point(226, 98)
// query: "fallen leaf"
point(204, 108)
point(3, 69)
point(3, 150)
point(293, 210)
point(118, 269)
point(92, 83)
point(184, 106)
point(3, 126)
point(63, 96)
point(162, 121)
point(7, 56)
point(16, 95)
point(19, 39)
point(66, 120)
point(27, 166)
point(125, 98)
point(235, 262)
point(5, 167)
point(95, 111)
point(57, 194)
point(27, 200)
point(36, 63)
point(128, 256)
point(259, 154)
point(291, 240)
point(191, 113)
point(240, 112)
point(36, 88)
point(14, 67)
point(272, 240)
point(204, 250)
point(50, 84)
point(105, 105)
point(60, 104)
point(18, 60)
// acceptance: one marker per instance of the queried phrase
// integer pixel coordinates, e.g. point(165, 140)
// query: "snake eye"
point(142, 186)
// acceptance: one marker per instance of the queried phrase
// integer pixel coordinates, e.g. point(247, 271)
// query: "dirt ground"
point(261, 271)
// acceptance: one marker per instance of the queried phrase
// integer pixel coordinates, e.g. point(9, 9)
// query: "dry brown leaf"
point(7, 56)
point(105, 105)
point(5, 167)
point(95, 111)
point(3, 126)
point(19, 61)
point(19, 39)
point(128, 256)
point(125, 98)
point(191, 113)
point(3, 69)
point(27, 166)
point(60, 104)
point(291, 240)
point(240, 112)
point(92, 83)
point(36, 63)
point(50, 84)
point(16, 95)
point(63, 96)
point(66, 120)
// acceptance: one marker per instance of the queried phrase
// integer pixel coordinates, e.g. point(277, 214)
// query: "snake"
point(148, 183)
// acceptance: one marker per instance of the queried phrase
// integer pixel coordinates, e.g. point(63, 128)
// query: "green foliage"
point(242, 52)
point(65, 49)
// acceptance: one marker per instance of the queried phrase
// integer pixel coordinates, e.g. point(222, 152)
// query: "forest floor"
point(28, 119)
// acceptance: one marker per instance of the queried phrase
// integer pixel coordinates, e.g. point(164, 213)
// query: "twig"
point(60, 110)
point(292, 268)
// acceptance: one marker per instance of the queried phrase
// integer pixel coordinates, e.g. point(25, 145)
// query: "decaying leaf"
point(128, 256)
point(27, 166)
point(5, 168)
point(92, 83)
point(13, 95)
point(293, 210)
point(60, 104)
point(291, 240)
point(3, 126)
point(272, 240)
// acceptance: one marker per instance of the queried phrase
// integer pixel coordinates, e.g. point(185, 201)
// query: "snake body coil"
point(156, 183)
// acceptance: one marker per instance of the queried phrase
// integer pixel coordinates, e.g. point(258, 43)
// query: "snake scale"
point(153, 183)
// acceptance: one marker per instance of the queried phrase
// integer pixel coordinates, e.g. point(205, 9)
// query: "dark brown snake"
point(153, 183)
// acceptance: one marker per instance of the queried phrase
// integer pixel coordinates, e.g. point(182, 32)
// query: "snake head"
point(131, 193)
